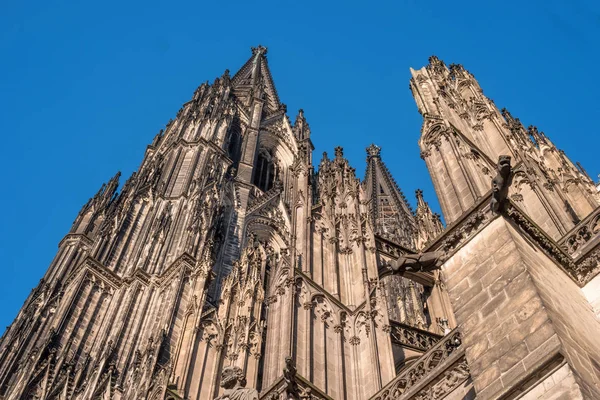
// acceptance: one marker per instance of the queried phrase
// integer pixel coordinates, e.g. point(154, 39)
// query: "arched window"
point(264, 170)
point(234, 141)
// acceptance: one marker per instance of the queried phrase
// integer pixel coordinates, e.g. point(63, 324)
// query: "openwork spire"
point(391, 212)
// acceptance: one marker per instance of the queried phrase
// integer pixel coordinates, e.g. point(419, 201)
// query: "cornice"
point(480, 215)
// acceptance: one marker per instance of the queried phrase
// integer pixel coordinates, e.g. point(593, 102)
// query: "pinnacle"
point(300, 116)
point(420, 199)
point(259, 50)
point(373, 150)
point(435, 60)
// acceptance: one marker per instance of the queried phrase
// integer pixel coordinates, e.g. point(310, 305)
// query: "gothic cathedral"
point(230, 266)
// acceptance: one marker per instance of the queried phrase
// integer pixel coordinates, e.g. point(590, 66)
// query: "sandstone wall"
point(572, 317)
point(592, 293)
point(518, 313)
point(559, 385)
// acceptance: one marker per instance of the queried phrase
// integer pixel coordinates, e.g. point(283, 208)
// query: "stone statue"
point(289, 374)
point(233, 382)
point(501, 183)
point(421, 262)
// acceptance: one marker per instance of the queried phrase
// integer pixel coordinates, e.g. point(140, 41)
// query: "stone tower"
point(227, 261)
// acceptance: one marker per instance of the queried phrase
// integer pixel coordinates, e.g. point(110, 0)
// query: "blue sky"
point(85, 86)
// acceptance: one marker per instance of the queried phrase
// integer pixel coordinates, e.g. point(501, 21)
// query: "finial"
point(259, 50)
point(373, 151)
point(420, 199)
point(433, 60)
point(339, 152)
point(535, 134)
point(456, 67)
point(301, 125)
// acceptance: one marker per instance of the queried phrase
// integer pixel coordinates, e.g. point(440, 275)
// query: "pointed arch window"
point(264, 170)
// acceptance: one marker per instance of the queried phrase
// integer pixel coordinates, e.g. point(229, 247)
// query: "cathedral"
point(232, 266)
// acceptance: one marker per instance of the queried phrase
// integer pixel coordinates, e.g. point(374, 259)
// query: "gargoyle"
point(501, 183)
point(289, 375)
point(422, 262)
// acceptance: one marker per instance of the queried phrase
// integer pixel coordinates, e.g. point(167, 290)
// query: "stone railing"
point(261, 198)
point(389, 247)
point(444, 362)
point(405, 335)
point(581, 234)
point(580, 267)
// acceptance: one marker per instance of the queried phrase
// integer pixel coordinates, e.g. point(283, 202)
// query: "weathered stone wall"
point(592, 293)
point(572, 317)
point(464, 391)
point(558, 385)
point(518, 312)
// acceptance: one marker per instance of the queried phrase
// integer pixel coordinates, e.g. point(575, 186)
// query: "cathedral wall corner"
point(592, 293)
point(519, 313)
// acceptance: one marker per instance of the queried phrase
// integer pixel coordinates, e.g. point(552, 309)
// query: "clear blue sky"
point(84, 87)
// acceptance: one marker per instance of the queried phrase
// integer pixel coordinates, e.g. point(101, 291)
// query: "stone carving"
point(451, 379)
point(406, 335)
point(233, 381)
point(501, 183)
point(582, 233)
point(420, 370)
point(421, 262)
point(289, 375)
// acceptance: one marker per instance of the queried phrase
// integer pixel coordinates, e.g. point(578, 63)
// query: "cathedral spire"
point(254, 80)
point(390, 210)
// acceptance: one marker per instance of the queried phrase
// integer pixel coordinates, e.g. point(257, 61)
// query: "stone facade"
point(227, 267)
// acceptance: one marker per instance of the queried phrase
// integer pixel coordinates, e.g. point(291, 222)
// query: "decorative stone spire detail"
point(259, 50)
point(429, 224)
point(390, 211)
point(301, 127)
point(373, 151)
